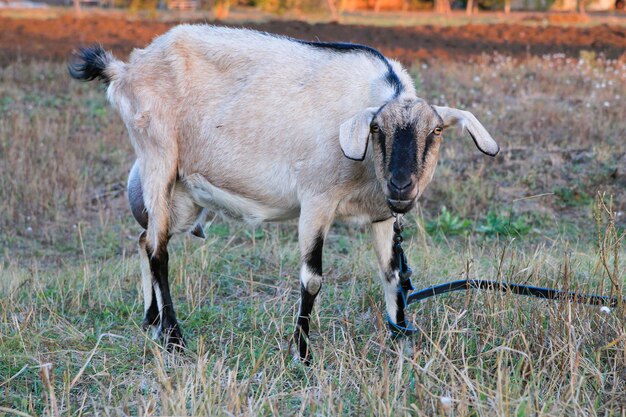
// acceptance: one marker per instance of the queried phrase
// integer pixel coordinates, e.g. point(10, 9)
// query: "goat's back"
point(241, 98)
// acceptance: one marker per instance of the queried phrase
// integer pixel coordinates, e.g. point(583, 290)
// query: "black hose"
point(520, 289)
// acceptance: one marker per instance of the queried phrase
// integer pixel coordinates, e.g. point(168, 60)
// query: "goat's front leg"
point(382, 235)
point(312, 229)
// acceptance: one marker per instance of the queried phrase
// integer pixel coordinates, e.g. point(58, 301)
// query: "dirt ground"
point(55, 38)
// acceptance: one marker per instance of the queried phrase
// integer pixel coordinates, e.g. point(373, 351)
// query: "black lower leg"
point(398, 325)
point(400, 316)
point(391, 275)
point(151, 317)
point(301, 335)
point(313, 262)
point(169, 326)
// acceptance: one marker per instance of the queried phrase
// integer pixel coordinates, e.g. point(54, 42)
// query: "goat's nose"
point(401, 183)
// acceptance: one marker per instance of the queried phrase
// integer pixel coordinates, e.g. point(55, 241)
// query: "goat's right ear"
point(354, 134)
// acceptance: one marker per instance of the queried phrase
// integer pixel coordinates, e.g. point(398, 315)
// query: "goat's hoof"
point(304, 349)
point(397, 331)
point(174, 341)
point(150, 323)
point(305, 356)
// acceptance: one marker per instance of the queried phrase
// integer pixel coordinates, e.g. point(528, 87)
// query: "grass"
point(70, 298)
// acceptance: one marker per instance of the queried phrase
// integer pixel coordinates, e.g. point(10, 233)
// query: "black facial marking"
point(430, 139)
point(382, 143)
point(391, 77)
point(314, 257)
point(403, 161)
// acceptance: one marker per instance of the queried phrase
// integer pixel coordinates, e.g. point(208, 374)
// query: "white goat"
point(268, 128)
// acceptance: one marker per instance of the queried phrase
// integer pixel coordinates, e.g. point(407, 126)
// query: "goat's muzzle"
point(400, 206)
point(401, 194)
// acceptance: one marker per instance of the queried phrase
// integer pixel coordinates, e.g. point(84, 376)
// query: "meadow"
point(548, 211)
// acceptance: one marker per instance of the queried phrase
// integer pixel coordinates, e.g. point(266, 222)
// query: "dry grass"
point(70, 303)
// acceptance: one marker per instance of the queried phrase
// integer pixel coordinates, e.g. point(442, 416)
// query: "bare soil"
point(55, 38)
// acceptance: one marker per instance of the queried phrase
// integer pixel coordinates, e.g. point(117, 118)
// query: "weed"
point(447, 224)
point(496, 223)
point(572, 197)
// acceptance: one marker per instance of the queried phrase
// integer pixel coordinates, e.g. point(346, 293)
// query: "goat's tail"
point(94, 62)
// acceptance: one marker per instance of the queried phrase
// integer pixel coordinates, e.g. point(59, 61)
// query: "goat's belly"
point(214, 198)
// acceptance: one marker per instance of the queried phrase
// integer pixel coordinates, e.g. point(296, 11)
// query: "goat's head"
point(405, 136)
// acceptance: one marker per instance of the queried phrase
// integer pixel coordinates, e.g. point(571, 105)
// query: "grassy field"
point(71, 305)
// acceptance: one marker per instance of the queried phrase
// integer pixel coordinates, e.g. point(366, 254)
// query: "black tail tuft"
point(90, 63)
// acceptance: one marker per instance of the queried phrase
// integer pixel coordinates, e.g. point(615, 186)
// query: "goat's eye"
point(437, 131)
point(374, 128)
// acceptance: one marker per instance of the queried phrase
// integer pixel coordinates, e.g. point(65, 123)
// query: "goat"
point(269, 128)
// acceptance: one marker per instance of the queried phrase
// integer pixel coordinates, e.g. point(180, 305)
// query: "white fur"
point(255, 124)
point(159, 298)
point(382, 236)
point(146, 277)
point(208, 195)
point(310, 280)
point(390, 287)
point(354, 134)
point(467, 121)
point(250, 124)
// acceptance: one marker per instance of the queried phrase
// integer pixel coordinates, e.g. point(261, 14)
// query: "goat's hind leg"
point(157, 191)
point(135, 199)
point(151, 318)
point(186, 217)
point(169, 329)
point(159, 311)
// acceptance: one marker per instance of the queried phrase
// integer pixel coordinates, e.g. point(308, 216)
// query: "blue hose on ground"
point(547, 293)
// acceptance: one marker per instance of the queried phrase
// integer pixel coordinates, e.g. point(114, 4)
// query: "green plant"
point(497, 224)
point(569, 196)
point(447, 224)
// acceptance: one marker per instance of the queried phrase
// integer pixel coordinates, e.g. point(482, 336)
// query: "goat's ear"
point(354, 134)
point(467, 122)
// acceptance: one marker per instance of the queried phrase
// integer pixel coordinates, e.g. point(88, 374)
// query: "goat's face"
point(405, 137)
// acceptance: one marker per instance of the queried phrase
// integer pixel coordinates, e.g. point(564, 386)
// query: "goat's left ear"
point(466, 121)
point(354, 134)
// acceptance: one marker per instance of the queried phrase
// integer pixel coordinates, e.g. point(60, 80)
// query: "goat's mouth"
point(400, 206)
